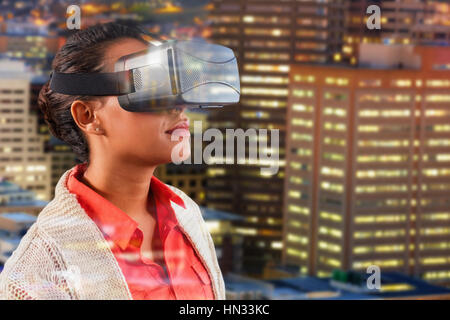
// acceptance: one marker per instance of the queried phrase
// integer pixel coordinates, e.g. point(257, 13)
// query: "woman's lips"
point(181, 130)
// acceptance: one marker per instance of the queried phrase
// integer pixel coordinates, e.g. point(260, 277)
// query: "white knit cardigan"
point(65, 256)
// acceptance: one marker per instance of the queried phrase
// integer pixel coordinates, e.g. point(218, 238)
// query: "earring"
point(97, 129)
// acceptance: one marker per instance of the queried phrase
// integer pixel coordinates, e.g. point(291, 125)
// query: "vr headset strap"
point(93, 84)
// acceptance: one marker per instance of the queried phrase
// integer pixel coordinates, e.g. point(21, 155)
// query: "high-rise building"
point(30, 42)
point(368, 164)
point(62, 158)
point(267, 37)
point(22, 158)
point(417, 22)
point(15, 199)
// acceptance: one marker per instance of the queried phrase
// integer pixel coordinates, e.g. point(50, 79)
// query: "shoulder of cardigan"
point(64, 220)
point(82, 245)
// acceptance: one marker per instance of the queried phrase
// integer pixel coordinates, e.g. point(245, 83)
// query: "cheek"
point(133, 125)
point(143, 134)
point(143, 130)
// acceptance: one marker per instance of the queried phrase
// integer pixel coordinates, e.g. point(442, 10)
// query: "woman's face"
point(143, 138)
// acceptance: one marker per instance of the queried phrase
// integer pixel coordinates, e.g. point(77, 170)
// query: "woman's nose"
point(177, 109)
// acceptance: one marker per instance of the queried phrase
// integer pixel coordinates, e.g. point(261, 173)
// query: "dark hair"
point(82, 53)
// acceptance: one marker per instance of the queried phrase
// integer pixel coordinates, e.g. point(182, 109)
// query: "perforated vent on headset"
point(198, 72)
point(137, 79)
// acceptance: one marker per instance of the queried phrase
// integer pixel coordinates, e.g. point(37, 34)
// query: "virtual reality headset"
point(174, 73)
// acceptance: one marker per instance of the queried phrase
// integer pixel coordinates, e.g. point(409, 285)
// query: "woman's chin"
point(184, 155)
point(181, 152)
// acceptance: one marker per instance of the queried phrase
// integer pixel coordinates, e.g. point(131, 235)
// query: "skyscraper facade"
point(22, 158)
point(267, 37)
point(418, 22)
point(368, 165)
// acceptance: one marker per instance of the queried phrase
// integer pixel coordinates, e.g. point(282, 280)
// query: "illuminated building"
point(35, 44)
point(13, 225)
point(267, 37)
point(368, 165)
point(169, 8)
point(62, 158)
point(417, 22)
point(15, 199)
point(22, 158)
point(289, 285)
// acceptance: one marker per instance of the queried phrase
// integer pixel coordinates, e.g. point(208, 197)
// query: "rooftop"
point(393, 285)
point(12, 195)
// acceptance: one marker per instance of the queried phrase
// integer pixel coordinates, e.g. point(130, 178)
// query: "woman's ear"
point(84, 115)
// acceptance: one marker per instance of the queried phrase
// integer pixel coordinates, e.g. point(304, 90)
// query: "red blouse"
point(177, 274)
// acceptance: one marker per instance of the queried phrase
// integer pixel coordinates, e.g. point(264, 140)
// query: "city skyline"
point(373, 141)
point(354, 132)
point(269, 38)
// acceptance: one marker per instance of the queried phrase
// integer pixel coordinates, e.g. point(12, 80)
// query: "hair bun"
point(44, 105)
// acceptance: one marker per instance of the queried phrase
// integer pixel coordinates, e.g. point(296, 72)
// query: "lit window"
point(266, 67)
point(303, 93)
point(264, 91)
point(304, 78)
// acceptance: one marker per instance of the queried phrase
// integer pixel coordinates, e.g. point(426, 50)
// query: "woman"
point(113, 230)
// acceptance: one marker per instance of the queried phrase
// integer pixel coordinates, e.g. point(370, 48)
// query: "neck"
point(126, 185)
